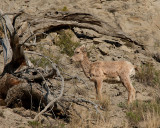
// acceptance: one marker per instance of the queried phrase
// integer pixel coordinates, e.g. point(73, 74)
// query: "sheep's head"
point(79, 53)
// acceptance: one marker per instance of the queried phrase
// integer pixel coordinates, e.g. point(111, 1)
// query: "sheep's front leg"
point(98, 86)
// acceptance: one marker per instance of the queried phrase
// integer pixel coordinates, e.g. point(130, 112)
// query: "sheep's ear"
point(83, 48)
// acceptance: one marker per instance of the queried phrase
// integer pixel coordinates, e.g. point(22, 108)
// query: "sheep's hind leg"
point(131, 91)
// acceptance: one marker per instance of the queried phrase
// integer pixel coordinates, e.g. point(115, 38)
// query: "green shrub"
point(65, 9)
point(66, 44)
point(34, 124)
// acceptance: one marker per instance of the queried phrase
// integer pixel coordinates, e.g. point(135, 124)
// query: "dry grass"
point(80, 91)
point(89, 118)
point(151, 120)
point(143, 112)
point(105, 103)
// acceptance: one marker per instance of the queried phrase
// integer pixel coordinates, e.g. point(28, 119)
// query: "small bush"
point(66, 44)
point(148, 75)
point(34, 124)
point(65, 9)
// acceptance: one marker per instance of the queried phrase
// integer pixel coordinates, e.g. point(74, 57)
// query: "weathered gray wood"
point(13, 53)
point(7, 52)
point(53, 21)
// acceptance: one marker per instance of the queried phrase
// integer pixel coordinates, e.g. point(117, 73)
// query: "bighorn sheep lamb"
point(101, 70)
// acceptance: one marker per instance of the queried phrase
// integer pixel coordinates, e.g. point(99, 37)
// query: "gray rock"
point(125, 48)
point(103, 48)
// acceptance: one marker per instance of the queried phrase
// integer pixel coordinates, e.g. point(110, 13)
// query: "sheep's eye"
point(77, 52)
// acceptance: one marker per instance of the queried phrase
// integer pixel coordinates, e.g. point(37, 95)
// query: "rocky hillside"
point(137, 21)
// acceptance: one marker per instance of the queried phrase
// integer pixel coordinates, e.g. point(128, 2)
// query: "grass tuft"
point(105, 103)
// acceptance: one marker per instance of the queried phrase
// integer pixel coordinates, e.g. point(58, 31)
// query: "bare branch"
point(62, 84)
point(15, 17)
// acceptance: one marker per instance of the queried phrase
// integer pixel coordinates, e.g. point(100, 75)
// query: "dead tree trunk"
point(11, 85)
point(13, 52)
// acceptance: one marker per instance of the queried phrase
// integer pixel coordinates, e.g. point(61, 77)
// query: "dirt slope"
point(139, 20)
